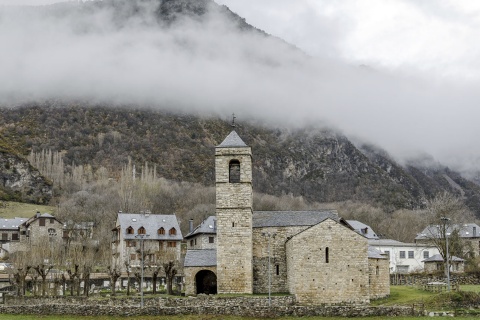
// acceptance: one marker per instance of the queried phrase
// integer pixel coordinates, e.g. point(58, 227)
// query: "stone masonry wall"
point(379, 278)
point(341, 279)
point(277, 257)
point(211, 305)
point(234, 202)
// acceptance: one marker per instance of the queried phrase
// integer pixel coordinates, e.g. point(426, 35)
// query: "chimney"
point(190, 225)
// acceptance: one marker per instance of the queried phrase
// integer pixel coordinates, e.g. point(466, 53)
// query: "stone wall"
point(234, 203)
point(239, 306)
point(340, 278)
point(379, 277)
point(277, 258)
point(423, 278)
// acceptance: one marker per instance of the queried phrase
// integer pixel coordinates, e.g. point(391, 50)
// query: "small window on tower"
point(234, 171)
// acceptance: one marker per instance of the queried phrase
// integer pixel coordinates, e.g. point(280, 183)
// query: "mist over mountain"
point(151, 79)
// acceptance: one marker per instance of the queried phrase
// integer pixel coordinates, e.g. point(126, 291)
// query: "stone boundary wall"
point(208, 305)
point(422, 279)
point(264, 312)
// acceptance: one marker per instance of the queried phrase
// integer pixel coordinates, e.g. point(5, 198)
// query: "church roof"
point(201, 258)
point(292, 218)
point(233, 140)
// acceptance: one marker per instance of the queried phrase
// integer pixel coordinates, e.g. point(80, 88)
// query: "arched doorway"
point(206, 282)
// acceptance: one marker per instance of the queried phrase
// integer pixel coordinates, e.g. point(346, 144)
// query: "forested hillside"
point(315, 163)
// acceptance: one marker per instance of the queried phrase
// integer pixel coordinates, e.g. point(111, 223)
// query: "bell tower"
point(234, 207)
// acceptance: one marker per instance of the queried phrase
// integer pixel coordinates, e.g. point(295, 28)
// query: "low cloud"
point(210, 66)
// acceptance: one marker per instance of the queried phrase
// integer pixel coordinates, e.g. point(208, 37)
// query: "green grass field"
point(10, 209)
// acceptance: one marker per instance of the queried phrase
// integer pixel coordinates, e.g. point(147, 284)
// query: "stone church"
point(314, 255)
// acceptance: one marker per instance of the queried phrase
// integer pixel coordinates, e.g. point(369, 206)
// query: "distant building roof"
point(363, 229)
point(376, 254)
point(291, 218)
point(151, 223)
point(439, 258)
point(9, 224)
point(233, 140)
point(468, 230)
point(207, 226)
point(201, 258)
point(395, 243)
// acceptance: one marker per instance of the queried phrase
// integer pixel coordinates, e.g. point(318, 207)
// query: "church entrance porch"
point(206, 282)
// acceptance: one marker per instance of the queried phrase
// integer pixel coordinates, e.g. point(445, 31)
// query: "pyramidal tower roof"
point(232, 141)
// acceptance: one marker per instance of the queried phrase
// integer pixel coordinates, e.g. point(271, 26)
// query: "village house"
point(315, 255)
point(159, 234)
point(436, 263)
point(404, 257)
point(10, 230)
point(204, 235)
point(469, 233)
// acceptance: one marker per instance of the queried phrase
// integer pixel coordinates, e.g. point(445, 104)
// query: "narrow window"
point(141, 230)
point(41, 222)
point(211, 240)
point(14, 236)
point(4, 236)
point(233, 224)
point(172, 232)
point(326, 255)
point(410, 255)
point(191, 243)
point(402, 254)
point(129, 230)
point(377, 270)
point(52, 220)
point(426, 254)
point(161, 231)
point(277, 269)
point(234, 171)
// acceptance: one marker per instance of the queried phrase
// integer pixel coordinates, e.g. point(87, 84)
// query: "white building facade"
point(404, 257)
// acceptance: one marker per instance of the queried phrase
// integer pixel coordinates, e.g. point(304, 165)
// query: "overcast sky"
point(417, 90)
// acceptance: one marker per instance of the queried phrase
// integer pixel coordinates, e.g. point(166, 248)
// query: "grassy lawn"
point(10, 209)
point(470, 287)
point(404, 296)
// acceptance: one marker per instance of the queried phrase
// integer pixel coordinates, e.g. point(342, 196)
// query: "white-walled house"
point(404, 257)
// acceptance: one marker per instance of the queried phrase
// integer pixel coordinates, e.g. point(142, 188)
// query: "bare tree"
point(445, 217)
point(21, 264)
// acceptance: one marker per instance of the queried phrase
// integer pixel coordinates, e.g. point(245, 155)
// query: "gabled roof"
point(151, 223)
point(292, 218)
point(363, 229)
point(37, 216)
point(207, 226)
point(376, 254)
point(233, 140)
point(439, 258)
point(395, 243)
point(201, 258)
point(11, 224)
point(468, 230)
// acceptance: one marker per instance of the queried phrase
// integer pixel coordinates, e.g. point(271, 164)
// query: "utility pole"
point(142, 238)
point(445, 221)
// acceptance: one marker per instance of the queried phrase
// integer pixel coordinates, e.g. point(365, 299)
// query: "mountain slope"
point(319, 164)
